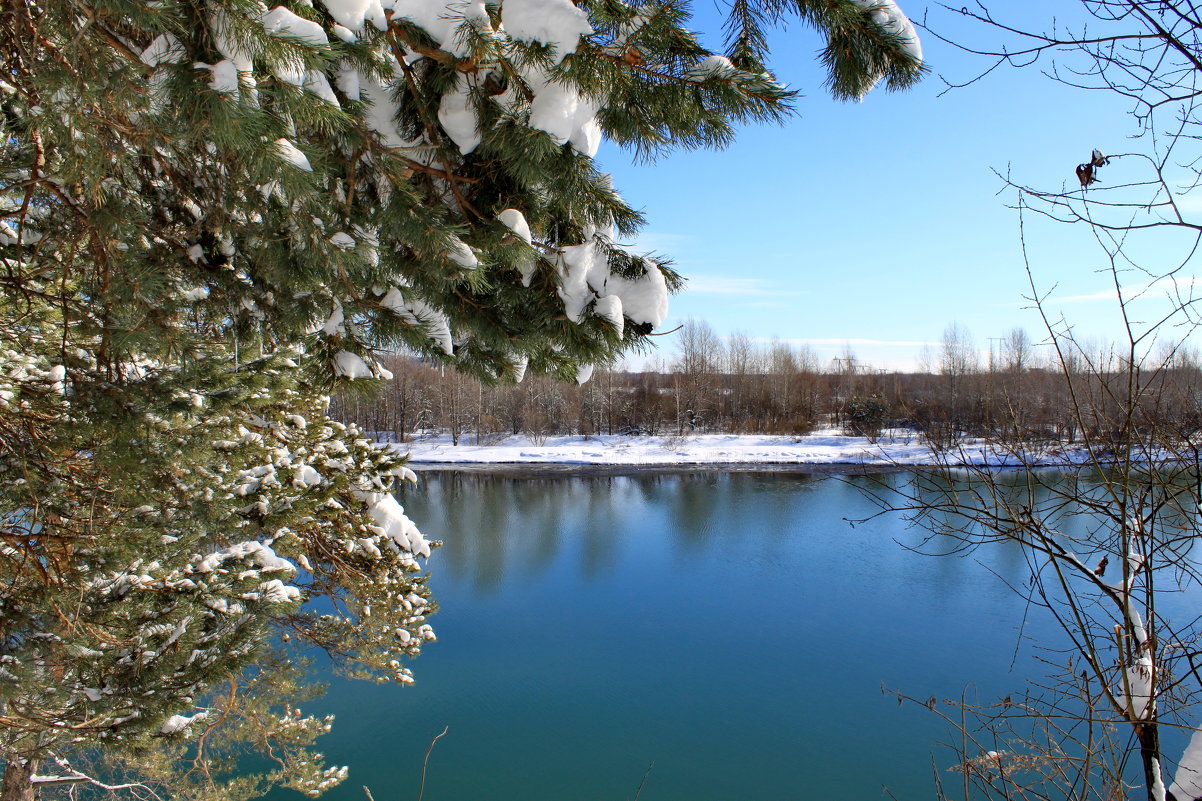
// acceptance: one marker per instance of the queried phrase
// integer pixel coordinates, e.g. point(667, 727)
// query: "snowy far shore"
point(827, 447)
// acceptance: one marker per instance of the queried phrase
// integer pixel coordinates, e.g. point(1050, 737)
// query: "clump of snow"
point(334, 323)
point(1157, 787)
point(436, 17)
point(519, 361)
point(555, 22)
point(1139, 684)
point(393, 523)
point(58, 376)
point(306, 476)
point(261, 554)
point(610, 308)
point(351, 365)
point(644, 299)
point(279, 21)
point(553, 109)
point(1188, 781)
point(240, 61)
point(224, 77)
point(574, 264)
point(446, 22)
point(347, 81)
point(713, 67)
point(165, 49)
point(515, 221)
point(277, 592)
point(889, 16)
point(563, 113)
point(394, 301)
point(292, 154)
point(417, 312)
point(194, 295)
point(586, 131)
point(457, 116)
point(381, 113)
point(584, 279)
point(351, 14)
point(462, 255)
point(178, 723)
point(315, 82)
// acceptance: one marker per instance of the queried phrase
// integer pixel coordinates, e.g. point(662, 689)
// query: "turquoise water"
point(734, 629)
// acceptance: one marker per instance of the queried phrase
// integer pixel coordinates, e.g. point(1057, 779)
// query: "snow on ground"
point(826, 447)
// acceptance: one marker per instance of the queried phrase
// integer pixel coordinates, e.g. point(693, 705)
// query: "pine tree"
point(214, 212)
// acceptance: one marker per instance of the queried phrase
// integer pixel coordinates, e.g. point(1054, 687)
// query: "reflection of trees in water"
point(611, 509)
point(1071, 505)
point(492, 525)
point(495, 525)
point(1061, 499)
point(933, 532)
point(710, 507)
point(695, 503)
point(497, 528)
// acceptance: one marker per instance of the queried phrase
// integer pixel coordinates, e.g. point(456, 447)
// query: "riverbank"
point(825, 447)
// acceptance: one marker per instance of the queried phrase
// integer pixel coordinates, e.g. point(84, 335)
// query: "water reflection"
point(495, 526)
point(728, 626)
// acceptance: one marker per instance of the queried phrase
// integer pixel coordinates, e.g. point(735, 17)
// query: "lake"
point(733, 628)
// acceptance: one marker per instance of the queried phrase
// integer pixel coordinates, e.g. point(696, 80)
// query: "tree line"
point(1017, 390)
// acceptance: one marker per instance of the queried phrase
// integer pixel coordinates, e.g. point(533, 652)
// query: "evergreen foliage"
point(213, 213)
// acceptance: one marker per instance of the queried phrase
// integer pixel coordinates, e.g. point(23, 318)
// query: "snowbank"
point(829, 447)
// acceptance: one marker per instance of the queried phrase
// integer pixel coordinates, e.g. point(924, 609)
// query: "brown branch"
point(654, 73)
point(449, 176)
point(39, 163)
point(395, 31)
point(425, 761)
point(1167, 37)
point(118, 45)
point(395, 40)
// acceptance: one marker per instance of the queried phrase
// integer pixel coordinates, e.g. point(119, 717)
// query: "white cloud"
point(1184, 286)
point(1089, 298)
point(1189, 204)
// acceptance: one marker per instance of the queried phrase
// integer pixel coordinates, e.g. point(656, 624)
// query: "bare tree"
point(1105, 546)
point(1017, 350)
point(700, 358)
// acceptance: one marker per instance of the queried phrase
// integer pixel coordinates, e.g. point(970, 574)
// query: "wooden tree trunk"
point(17, 784)
point(1149, 748)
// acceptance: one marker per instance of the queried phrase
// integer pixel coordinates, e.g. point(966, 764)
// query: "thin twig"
point(425, 762)
point(644, 781)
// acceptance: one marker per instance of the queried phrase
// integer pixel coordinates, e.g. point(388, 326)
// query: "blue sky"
point(877, 224)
